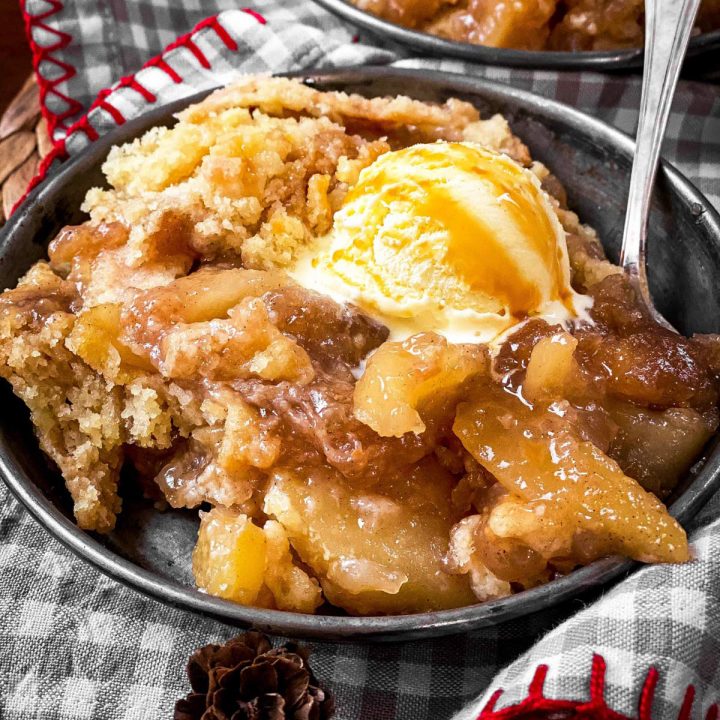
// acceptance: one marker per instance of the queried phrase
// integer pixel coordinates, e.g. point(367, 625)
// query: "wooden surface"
point(22, 141)
point(15, 56)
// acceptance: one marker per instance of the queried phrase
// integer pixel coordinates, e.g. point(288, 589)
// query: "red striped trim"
point(59, 151)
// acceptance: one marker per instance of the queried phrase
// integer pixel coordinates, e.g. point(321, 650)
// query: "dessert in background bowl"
point(552, 34)
point(275, 316)
point(565, 25)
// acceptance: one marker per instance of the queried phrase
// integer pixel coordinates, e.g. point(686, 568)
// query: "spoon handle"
point(668, 24)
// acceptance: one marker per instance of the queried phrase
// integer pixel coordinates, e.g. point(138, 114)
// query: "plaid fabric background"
point(100, 42)
point(77, 645)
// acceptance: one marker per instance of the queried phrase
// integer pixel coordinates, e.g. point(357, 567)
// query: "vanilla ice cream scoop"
point(449, 237)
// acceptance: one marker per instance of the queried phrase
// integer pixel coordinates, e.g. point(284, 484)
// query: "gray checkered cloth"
point(77, 645)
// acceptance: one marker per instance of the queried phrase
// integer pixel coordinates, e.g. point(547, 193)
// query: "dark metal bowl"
point(150, 551)
point(428, 44)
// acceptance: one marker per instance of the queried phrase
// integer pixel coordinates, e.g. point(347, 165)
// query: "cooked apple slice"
point(521, 24)
point(229, 558)
point(372, 552)
point(567, 497)
point(402, 376)
point(237, 560)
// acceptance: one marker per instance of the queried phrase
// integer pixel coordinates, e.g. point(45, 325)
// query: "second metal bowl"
point(705, 46)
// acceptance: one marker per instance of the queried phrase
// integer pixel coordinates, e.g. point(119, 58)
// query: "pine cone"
point(246, 679)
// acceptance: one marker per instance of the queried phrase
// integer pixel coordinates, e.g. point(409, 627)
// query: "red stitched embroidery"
point(101, 102)
point(117, 116)
point(260, 18)
point(647, 694)
point(59, 151)
point(197, 52)
point(597, 680)
point(538, 682)
point(83, 125)
point(222, 33)
point(535, 706)
point(43, 54)
point(158, 62)
point(687, 703)
point(491, 703)
point(132, 82)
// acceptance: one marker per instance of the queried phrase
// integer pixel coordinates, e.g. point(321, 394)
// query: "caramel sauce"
point(475, 250)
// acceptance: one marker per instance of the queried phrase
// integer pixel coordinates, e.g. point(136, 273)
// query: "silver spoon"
point(668, 24)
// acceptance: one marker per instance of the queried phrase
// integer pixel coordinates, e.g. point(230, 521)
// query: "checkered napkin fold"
point(650, 646)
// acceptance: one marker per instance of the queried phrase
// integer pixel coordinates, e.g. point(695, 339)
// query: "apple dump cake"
point(369, 343)
point(574, 25)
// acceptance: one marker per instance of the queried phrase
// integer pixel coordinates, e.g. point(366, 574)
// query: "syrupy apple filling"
point(342, 448)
